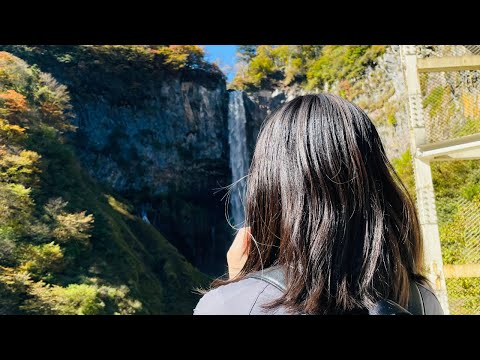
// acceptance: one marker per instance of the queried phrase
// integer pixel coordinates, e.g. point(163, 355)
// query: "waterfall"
point(239, 162)
point(144, 216)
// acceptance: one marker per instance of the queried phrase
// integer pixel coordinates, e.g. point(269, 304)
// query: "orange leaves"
point(5, 56)
point(51, 109)
point(13, 101)
point(6, 60)
point(345, 87)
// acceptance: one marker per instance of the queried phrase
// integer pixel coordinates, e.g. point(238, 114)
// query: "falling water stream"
point(237, 139)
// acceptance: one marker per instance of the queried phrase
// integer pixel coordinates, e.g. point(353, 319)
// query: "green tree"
point(310, 66)
point(179, 56)
point(246, 52)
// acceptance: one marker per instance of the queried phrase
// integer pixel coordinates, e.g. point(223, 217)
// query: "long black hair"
point(324, 201)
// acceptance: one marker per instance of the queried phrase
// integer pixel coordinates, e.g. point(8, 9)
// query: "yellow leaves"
point(7, 274)
point(68, 226)
point(19, 190)
point(15, 207)
point(78, 299)
point(6, 60)
point(29, 157)
point(75, 299)
point(318, 65)
point(181, 55)
point(260, 67)
point(41, 258)
point(177, 60)
point(282, 52)
point(13, 133)
point(17, 129)
point(75, 226)
point(19, 168)
point(13, 278)
point(14, 129)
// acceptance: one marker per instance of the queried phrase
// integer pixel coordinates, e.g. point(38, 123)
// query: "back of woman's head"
point(323, 201)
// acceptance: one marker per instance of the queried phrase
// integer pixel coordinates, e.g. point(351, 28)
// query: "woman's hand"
point(237, 254)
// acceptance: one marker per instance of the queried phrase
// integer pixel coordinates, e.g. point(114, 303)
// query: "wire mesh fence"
point(460, 239)
point(451, 103)
point(424, 51)
point(464, 295)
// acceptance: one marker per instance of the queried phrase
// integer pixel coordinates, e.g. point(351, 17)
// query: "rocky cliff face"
point(157, 137)
point(168, 155)
point(380, 92)
point(255, 116)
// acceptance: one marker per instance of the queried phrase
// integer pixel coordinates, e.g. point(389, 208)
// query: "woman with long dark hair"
point(324, 207)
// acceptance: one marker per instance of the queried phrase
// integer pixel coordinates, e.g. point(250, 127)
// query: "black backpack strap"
point(388, 307)
point(416, 304)
point(276, 276)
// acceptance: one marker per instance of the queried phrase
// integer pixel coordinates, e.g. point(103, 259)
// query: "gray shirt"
point(246, 297)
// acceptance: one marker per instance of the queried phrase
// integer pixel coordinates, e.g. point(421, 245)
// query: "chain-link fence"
point(425, 51)
point(460, 239)
point(451, 102)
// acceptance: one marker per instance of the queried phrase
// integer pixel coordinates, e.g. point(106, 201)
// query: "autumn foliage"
point(12, 101)
point(179, 56)
point(67, 247)
point(39, 237)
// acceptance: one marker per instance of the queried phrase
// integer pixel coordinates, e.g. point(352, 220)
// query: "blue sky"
point(226, 56)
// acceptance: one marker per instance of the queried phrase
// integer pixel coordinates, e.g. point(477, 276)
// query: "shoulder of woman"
point(238, 298)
